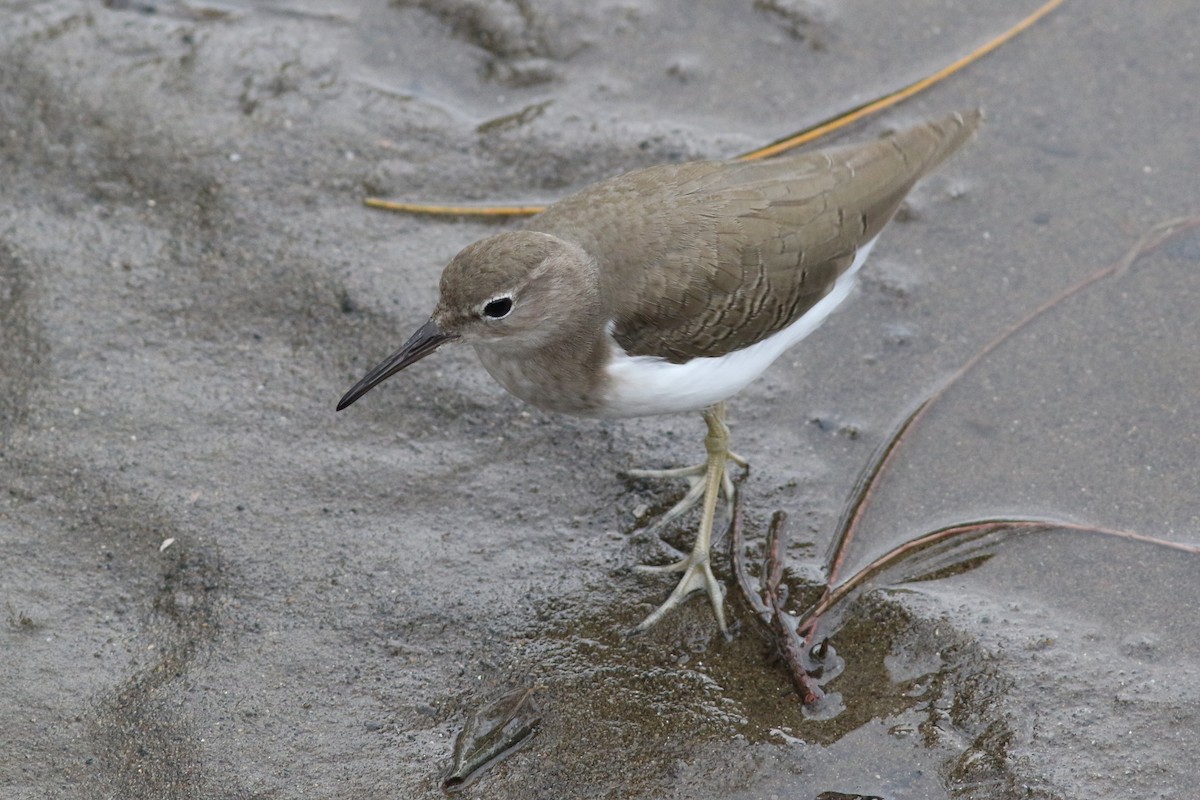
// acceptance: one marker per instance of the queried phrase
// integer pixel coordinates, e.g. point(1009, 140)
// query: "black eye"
point(498, 308)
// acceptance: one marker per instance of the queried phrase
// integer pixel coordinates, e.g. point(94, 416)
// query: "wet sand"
point(214, 586)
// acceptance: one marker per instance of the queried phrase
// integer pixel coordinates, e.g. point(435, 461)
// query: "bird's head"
point(516, 290)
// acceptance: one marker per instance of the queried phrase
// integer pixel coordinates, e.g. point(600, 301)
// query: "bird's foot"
point(697, 576)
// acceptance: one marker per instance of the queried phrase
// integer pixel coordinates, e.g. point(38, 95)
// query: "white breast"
point(645, 385)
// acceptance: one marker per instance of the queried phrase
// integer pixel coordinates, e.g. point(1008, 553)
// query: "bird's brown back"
point(705, 258)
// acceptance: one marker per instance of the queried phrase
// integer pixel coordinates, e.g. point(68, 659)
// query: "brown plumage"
point(704, 258)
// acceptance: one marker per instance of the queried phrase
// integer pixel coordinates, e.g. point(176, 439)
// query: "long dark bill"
point(429, 337)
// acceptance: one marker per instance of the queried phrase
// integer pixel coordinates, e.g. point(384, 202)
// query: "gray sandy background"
point(188, 282)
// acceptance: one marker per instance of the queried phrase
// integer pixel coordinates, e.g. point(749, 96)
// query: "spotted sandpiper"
point(670, 289)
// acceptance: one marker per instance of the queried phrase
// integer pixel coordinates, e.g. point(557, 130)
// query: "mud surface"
point(212, 586)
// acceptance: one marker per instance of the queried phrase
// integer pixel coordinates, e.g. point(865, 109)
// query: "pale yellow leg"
point(696, 567)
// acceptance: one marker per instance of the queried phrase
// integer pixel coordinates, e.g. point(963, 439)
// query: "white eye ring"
point(498, 307)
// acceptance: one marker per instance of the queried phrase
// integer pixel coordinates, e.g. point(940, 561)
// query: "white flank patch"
point(644, 385)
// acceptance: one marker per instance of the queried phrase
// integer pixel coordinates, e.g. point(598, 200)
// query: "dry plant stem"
point(826, 127)
point(976, 528)
point(1149, 241)
point(793, 647)
point(848, 522)
point(789, 142)
point(769, 605)
point(773, 565)
point(436, 210)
